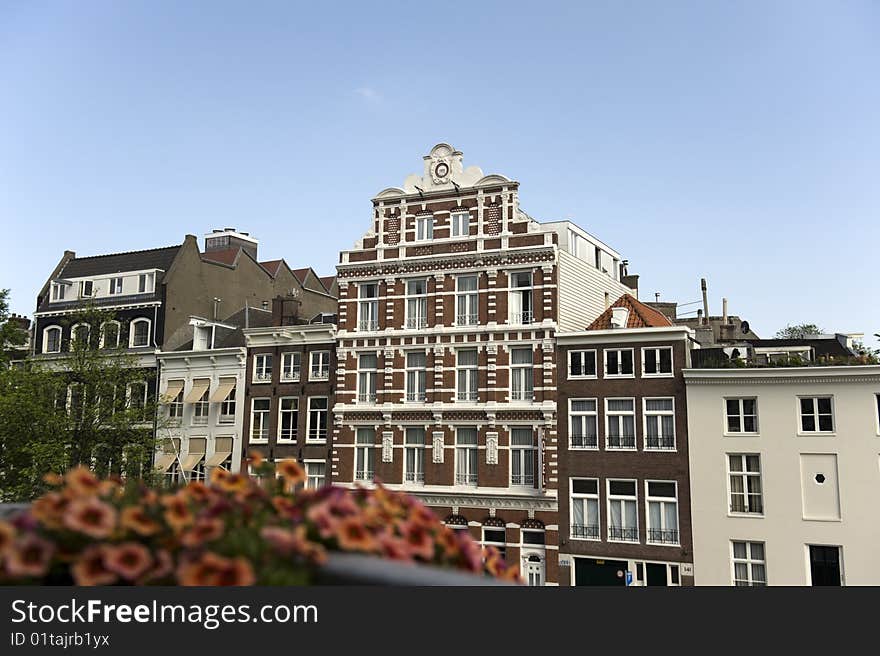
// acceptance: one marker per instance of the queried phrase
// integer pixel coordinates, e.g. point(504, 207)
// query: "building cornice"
point(784, 375)
point(447, 262)
point(487, 501)
point(623, 335)
point(74, 310)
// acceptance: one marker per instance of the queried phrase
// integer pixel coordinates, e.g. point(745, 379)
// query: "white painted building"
point(785, 475)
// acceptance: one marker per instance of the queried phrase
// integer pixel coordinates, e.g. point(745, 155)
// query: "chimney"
point(217, 308)
point(285, 311)
point(724, 310)
point(705, 301)
point(619, 315)
point(230, 238)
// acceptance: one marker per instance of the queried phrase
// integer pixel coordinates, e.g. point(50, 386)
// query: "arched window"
point(52, 339)
point(110, 334)
point(79, 334)
point(139, 333)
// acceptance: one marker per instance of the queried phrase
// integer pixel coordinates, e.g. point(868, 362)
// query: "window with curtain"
point(367, 363)
point(364, 454)
point(659, 423)
point(521, 375)
point(620, 418)
point(466, 301)
point(584, 501)
point(415, 376)
point(466, 375)
point(744, 472)
point(520, 297)
point(414, 455)
point(416, 303)
point(522, 457)
point(466, 456)
point(368, 306)
point(623, 519)
point(749, 565)
point(662, 512)
point(583, 429)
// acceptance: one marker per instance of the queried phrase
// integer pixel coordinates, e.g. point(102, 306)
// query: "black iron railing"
point(623, 533)
point(588, 531)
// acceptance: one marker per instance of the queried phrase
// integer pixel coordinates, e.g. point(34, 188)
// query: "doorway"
point(596, 571)
point(824, 565)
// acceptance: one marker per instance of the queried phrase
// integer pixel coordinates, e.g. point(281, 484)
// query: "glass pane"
point(739, 550)
point(658, 405)
point(757, 550)
point(824, 406)
point(620, 405)
point(583, 405)
point(467, 358)
point(661, 489)
point(466, 436)
point(521, 356)
point(584, 486)
point(622, 488)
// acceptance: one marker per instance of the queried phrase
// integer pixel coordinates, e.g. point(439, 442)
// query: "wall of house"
point(582, 290)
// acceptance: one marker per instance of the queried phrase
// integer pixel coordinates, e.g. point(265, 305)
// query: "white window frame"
point(129, 396)
point(583, 416)
point(294, 413)
point(524, 373)
point(320, 439)
point(414, 302)
point(464, 462)
point(460, 223)
point(467, 302)
point(749, 561)
point(590, 532)
point(364, 455)
point(311, 479)
point(815, 414)
point(416, 474)
point(745, 474)
point(519, 453)
point(115, 286)
point(367, 380)
point(582, 352)
point(59, 291)
point(501, 546)
point(656, 415)
point(132, 329)
point(227, 407)
point(146, 283)
point(264, 421)
point(103, 338)
point(658, 374)
point(424, 225)
point(622, 498)
point(663, 501)
point(291, 362)
point(877, 410)
point(202, 409)
point(741, 415)
point(472, 392)
point(75, 327)
point(175, 406)
point(619, 351)
point(619, 414)
point(371, 304)
point(321, 369)
point(82, 288)
point(262, 369)
point(46, 338)
point(523, 316)
point(416, 382)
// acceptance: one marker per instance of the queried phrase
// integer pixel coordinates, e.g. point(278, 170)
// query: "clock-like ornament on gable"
point(441, 170)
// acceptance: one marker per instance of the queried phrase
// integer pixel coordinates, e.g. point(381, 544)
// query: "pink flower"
point(91, 516)
point(91, 569)
point(30, 555)
point(130, 559)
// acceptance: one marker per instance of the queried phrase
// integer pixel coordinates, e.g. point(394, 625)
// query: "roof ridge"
point(143, 250)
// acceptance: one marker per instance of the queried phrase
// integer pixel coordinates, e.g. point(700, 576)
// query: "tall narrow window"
point(582, 364)
point(260, 420)
point(80, 335)
point(86, 287)
point(749, 566)
point(657, 361)
point(662, 512)
point(744, 472)
point(52, 340)
point(316, 430)
point(115, 286)
point(200, 410)
point(424, 228)
point(175, 406)
point(522, 457)
point(367, 363)
point(316, 474)
point(816, 415)
point(460, 224)
point(416, 303)
point(415, 376)
point(623, 519)
point(466, 456)
point(290, 366)
point(659, 423)
point(618, 363)
point(320, 365)
point(466, 375)
point(368, 306)
point(364, 454)
point(414, 456)
point(520, 297)
point(140, 332)
point(585, 508)
point(466, 301)
point(227, 408)
point(145, 283)
point(620, 423)
point(263, 368)
point(137, 400)
point(742, 415)
point(110, 334)
point(288, 418)
point(582, 430)
point(521, 375)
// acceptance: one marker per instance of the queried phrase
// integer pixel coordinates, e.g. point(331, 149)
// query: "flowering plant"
point(233, 530)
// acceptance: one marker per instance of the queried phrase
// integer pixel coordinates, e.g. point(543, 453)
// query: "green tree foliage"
point(11, 333)
point(798, 331)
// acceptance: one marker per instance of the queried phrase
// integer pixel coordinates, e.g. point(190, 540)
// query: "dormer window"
point(52, 340)
point(424, 228)
point(86, 288)
point(59, 291)
point(145, 282)
point(115, 286)
point(203, 338)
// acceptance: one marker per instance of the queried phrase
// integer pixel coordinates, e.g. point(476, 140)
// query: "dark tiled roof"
point(96, 265)
point(328, 281)
point(227, 338)
point(226, 256)
point(301, 274)
point(640, 315)
point(272, 266)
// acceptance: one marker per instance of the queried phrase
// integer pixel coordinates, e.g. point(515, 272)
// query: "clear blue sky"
point(739, 141)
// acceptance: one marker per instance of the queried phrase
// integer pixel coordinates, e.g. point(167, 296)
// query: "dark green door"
point(824, 565)
point(656, 574)
point(593, 571)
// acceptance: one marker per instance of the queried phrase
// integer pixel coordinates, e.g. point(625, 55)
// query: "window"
point(585, 508)
point(86, 288)
point(424, 228)
point(75, 401)
point(260, 420)
point(367, 363)
point(824, 565)
point(620, 423)
point(316, 431)
point(521, 375)
point(619, 363)
point(115, 286)
point(415, 376)
point(227, 408)
point(662, 512)
point(110, 334)
point(52, 340)
point(319, 367)
point(582, 427)
point(288, 418)
point(623, 520)
point(466, 301)
point(749, 566)
point(742, 415)
point(460, 224)
point(466, 456)
point(200, 410)
point(744, 473)
point(368, 306)
point(290, 365)
point(262, 368)
point(496, 537)
point(140, 333)
point(136, 394)
point(659, 423)
point(520, 297)
point(416, 303)
point(145, 283)
point(80, 335)
point(522, 457)
point(466, 375)
point(175, 406)
point(59, 290)
point(414, 456)
point(657, 361)
point(364, 454)
point(316, 474)
point(816, 415)
point(582, 364)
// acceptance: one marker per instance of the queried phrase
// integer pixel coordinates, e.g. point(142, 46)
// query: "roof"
point(224, 337)
point(96, 265)
point(301, 274)
point(272, 266)
point(328, 282)
point(640, 315)
point(225, 256)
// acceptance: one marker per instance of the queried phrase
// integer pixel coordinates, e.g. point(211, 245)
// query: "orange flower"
point(53, 479)
point(323, 519)
point(130, 559)
point(291, 472)
point(136, 519)
point(352, 535)
point(447, 540)
point(217, 476)
point(418, 540)
point(205, 530)
point(233, 482)
point(164, 565)
point(197, 491)
point(82, 481)
point(29, 556)
point(177, 512)
point(90, 569)
point(287, 542)
point(212, 569)
point(395, 548)
point(49, 509)
point(7, 536)
point(255, 458)
point(91, 516)
point(284, 506)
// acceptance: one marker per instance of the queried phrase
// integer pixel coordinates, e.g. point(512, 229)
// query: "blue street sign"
point(629, 577)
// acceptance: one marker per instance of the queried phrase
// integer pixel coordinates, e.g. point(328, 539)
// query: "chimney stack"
point(724, 310)
point(705, 302)
point(619, 315)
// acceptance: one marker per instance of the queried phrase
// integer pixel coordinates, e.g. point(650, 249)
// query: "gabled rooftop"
point(638, 315)
point(96, 265)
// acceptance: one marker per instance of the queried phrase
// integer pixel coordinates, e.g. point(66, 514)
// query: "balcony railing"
point(287, 435)
point(663, 535)
point(466, 396)
point(363, 475)
point(262, 376)
point(320, 373)
point(414, 477)
point(368, 324)
point(659, 442)
point(416, 322)
point(260, 434)
point(586, 531)
point(366, 397)
point(200, 420)
point(621, 442)
point(527, 316)
point(522, 480)
point(465, 479)
point(415, 396)
point(466, 319)
point(584, 442)
point(623, 533)
point(290, 375)
point(522, 395)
